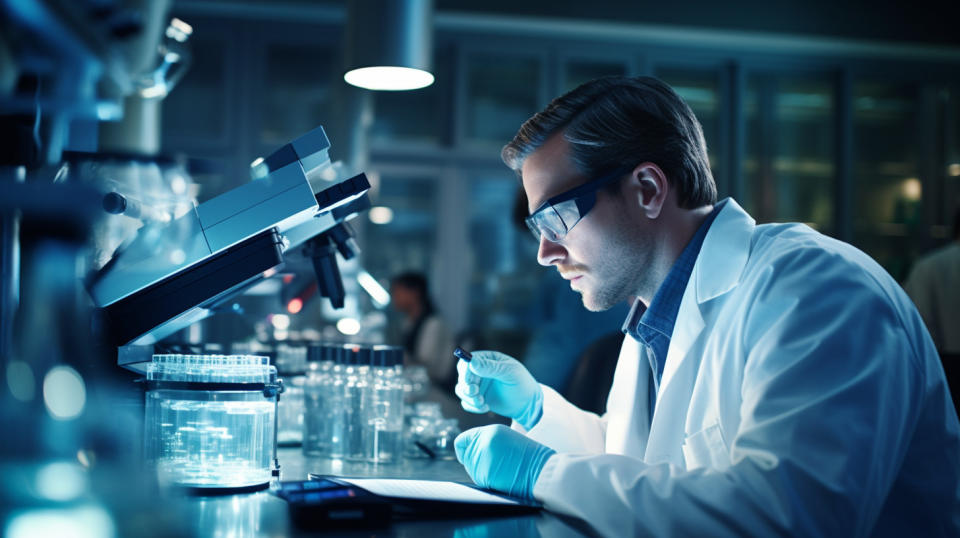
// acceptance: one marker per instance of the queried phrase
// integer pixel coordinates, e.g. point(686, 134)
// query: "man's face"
point(605, 255)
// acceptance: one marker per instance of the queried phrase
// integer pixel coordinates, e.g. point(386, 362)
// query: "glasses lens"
point(547, 223)
point(568, 213)
point(532, 226)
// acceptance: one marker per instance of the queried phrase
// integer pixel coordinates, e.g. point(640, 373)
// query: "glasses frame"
point(569, 207)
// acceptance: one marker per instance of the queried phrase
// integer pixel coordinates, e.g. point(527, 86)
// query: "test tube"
point(469, 377)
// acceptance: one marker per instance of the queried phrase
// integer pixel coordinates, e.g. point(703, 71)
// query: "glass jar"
point(416, 382)
point(445, 431)
point(428, 434)
point(320, 403)
point(291, 363)
point(210, 420)
point(290, 411)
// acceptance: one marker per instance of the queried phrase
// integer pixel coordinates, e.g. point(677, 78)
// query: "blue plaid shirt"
point(652, 326)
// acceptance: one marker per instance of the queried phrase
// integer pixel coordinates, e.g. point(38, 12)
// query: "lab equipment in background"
point(426, 409)
point(446, 431)
point(282, 199)
point(140, 194)
point(319, 400)
point(383, 431)
point(210, 421)
point(172, 275)
point(322, 251)
point(416, 382)
point(336, 410)
point(291, 363)
point(355, 399)
point(428, 434)
point(354, 402)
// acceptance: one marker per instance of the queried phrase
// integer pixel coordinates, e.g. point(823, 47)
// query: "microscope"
point(172, 275)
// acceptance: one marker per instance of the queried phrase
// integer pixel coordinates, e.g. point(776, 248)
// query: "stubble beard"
point(623, 270)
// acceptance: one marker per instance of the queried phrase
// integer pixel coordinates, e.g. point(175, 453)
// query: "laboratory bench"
point(264, 514)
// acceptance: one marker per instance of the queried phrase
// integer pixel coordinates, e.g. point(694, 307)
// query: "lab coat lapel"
point(717, 271)
point(676, 386)
point(628, 408)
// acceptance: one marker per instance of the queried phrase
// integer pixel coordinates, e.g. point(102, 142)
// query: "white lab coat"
point(801, 396)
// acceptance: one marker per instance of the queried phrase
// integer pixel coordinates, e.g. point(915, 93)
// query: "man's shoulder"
point(790, 241)
point(788, 251)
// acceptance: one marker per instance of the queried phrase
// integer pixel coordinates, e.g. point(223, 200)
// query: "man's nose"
point(550, 253)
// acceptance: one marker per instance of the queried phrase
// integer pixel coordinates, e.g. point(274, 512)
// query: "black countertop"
point(264, 514)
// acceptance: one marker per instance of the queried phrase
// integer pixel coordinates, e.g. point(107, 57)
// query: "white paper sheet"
point(435, 490)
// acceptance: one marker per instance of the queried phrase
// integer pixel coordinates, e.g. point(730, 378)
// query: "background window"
point(887, 188)
point(408, 241)
point(789, 166)
point(505, 271)
point(502, 92)
point(699, 89)
point(417, 116)
point(197, 107)
point(576, 72)
point(950, 172)
point(297, 89)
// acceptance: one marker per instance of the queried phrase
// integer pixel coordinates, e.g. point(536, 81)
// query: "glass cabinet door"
point(296, 90)
point(197, 111)
point(505, 272)
point(950, 201)
point(700, 89)
point(790, 150)
point(577, 71)
point(502, 92)
point(418, 116)
point(887, 189)
point(408, 239)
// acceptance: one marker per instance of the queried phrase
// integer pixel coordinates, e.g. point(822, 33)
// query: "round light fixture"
point(389, 44)
point(387, 78)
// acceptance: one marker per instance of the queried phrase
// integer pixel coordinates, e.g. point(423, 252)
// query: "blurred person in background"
point(934, 286)
point(425, 337)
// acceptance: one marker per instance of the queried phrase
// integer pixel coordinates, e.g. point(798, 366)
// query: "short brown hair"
point(613, 122)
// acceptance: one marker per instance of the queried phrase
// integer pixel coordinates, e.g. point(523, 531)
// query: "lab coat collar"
point(724, 252)
point(722, 259)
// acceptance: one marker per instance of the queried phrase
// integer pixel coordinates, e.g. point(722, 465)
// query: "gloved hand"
point(492, 381)
point(499, 458)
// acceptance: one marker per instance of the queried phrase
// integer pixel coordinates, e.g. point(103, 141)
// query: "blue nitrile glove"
point(492, 381)
point(499, 458)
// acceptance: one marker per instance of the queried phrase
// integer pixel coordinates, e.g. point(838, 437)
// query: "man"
point(773, 381)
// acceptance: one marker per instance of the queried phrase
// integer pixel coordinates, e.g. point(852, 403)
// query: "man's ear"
point(649, 187)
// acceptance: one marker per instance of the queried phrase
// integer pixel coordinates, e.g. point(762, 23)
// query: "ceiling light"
point(389, 44)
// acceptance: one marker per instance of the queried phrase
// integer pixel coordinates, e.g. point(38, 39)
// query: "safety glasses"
point(559, 214)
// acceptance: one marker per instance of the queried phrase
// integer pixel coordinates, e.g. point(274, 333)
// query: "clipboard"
point(327, 501)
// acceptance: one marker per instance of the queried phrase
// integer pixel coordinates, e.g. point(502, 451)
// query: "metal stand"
point(9, 264)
